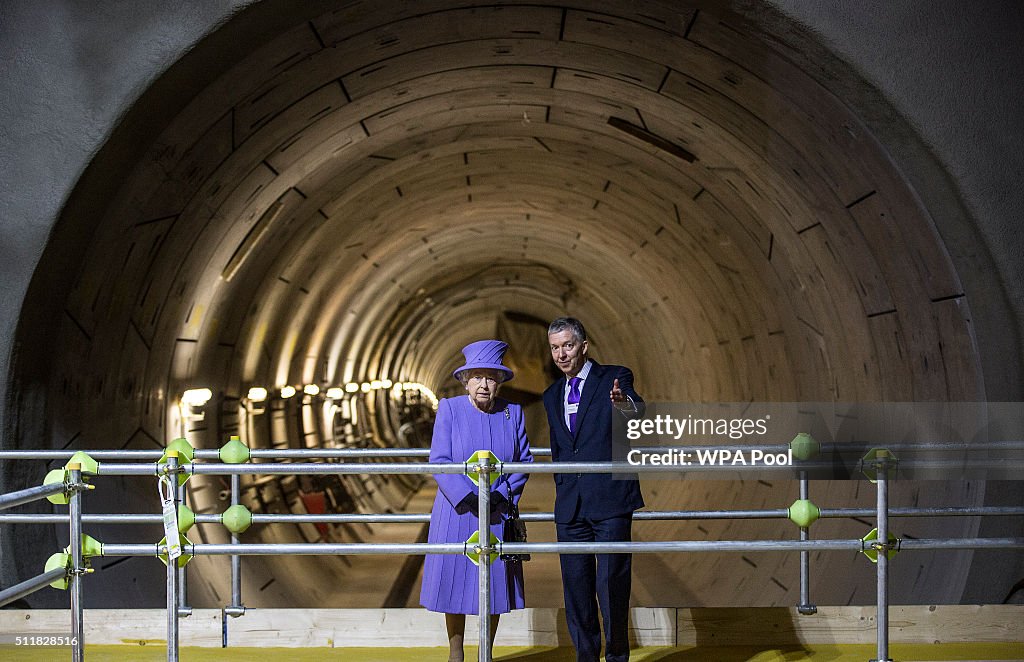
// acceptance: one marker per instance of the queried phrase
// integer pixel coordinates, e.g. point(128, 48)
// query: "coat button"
point(579, 475)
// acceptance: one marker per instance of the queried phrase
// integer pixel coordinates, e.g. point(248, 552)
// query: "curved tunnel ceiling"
point(365, 162)
point(361, 196)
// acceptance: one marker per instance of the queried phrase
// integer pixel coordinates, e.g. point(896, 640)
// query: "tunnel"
point(310, 208)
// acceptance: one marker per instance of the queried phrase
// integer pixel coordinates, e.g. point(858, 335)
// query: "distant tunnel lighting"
point(258, 229)
point(196, 397)
point(385, 383)
point(287, 391)
point(643, 134)
point(351, 387)
point(365, 387)
point(310, 389)
point(335, 392)
point(416, 386)
point(376, 384)
point(257, 394)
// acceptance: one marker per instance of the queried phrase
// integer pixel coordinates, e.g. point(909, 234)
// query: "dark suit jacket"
point(599, 496)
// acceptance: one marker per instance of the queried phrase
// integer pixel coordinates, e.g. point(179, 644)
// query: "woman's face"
point(483, 386)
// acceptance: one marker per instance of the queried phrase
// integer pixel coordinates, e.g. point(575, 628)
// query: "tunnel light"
point(310, 389)
point(335, 393)
point(257, 394)
point(351, 387)
point(424, 391)
point(385, 383)
point(287, 391)
point(196, 397)
point(365, 387)
point(375, 384)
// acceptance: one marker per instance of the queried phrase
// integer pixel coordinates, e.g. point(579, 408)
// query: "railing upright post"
point(484, 565)
point(236, 560)
point(805, 607)
point(236, 608)
point(172, 567)
point(77, 562)
point(183, 608)
point(882, 567)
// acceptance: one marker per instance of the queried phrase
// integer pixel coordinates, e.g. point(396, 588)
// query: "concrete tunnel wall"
point(847, 231)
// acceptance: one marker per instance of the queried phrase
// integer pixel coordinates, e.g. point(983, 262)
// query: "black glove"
point(467, 505)
point(471, 502)
point(499, 504)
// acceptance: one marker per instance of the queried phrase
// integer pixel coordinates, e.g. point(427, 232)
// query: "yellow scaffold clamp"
point(477, 461)
point(878, 459)
point(81, 461)
point(474, 549)
point(870, 545)
point(62, 559)
point(181, 560)
point(185, 455)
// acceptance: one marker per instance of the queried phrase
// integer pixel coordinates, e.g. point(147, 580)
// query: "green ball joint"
point(236, 519)
point(804, 447)
point(186, 518)
point(234, 452)
point(803, 513)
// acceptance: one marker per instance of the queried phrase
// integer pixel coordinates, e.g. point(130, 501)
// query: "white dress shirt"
point(583, 374)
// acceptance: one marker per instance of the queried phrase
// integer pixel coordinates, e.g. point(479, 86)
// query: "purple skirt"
point(451, 582)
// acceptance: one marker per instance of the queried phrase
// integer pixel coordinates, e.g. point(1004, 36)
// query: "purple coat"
point(450, 581)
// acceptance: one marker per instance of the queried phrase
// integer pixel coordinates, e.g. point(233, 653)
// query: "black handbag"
point(513, 530)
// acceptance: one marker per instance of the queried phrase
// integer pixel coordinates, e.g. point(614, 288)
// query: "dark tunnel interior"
point(315, 209)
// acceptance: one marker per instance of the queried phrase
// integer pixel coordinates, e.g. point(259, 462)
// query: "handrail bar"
point(28, 495)
point(422, 518)
point(327, 453)
point(30, 586)
point(642, 547)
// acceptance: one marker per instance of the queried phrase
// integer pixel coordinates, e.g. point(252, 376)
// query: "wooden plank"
point(341, 628)
point(853, 625)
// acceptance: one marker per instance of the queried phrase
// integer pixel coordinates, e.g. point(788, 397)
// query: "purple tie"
point(574, 399)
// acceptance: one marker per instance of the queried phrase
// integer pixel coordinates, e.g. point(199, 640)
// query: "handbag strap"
point(513, 509)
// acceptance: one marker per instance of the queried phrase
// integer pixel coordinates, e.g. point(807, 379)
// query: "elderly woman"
point(466, 424)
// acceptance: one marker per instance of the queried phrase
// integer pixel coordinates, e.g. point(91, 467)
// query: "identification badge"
point(170, 517)
point(572, 407)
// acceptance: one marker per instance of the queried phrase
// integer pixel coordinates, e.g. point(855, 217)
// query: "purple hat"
point(485, 354)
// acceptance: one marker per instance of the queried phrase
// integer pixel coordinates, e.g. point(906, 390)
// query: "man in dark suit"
point(591, 507)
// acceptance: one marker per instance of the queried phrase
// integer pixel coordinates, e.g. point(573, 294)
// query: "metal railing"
point(74, 568)
point(482, 549)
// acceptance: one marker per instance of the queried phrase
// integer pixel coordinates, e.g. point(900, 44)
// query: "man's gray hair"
point(571, 323)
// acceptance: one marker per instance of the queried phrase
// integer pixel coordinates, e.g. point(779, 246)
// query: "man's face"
point(567, 352)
